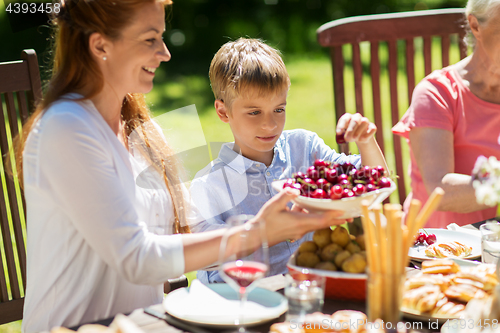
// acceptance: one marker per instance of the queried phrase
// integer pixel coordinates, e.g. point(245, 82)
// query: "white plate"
point(274, 303)
point(418, 252)
point(425, 318)
point(350, 206)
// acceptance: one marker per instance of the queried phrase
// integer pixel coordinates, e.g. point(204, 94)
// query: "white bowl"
point(350, 206)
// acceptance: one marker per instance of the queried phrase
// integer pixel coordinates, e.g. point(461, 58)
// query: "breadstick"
point(429, 207)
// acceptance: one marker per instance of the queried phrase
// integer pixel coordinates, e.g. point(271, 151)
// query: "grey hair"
point(483, 11)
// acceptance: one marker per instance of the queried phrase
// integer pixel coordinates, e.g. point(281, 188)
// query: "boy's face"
point(256, 123)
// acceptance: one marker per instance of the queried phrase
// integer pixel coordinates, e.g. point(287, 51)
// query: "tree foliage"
point(197, 28)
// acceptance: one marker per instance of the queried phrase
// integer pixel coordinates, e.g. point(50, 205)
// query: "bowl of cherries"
point(332, 186)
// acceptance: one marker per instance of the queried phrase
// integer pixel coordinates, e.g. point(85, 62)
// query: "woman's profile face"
point(134, 57)
point(490, 38)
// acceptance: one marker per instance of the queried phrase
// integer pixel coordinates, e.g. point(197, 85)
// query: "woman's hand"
point(283, 224)
point(356, 128)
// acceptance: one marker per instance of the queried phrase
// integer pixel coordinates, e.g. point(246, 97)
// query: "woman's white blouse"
point(89, 252)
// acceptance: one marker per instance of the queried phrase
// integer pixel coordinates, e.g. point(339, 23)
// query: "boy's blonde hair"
point(247, 64)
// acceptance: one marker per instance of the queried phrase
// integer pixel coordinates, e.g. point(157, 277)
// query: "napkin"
point(202, 304)
point(471, 231)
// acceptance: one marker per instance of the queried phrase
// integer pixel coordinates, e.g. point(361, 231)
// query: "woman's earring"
point(104, 58)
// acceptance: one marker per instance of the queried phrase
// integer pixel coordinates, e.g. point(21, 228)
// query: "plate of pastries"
point(442, 289)
point(446, 244)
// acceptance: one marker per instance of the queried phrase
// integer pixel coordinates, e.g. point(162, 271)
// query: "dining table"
point(154, 319)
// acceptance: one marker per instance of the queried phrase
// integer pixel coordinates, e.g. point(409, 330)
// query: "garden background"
point(195, 31)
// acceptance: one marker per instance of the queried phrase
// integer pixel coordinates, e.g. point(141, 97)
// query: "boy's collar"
point(240, 163)
point(278, 148)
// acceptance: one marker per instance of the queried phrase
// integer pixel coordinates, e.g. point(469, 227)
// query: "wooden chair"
point(20, 89)
point(398, 31)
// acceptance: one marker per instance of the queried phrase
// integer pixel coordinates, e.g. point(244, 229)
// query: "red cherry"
point(323, 184)
point(331, 175)
point(340, 138)
point(345, 168)
point(380, 170)
point(431, 239)
point(299, 175)
point(371, 181)
point(354, 174)
point(347, 193)
point(364, 173)
point(321, 163)
point(342, 177)
point(319, 194)
point(289, 183)
point(345, 183)
point(313, 173)
point(304, 190)
point(307, 185)
point(359, 189)
point(421, 238)
point(384, 182)
point(374, 175)
point(370, 187)
point(336, 192)
point(308, 181)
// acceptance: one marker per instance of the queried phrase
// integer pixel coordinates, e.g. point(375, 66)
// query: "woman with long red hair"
point(97, 174)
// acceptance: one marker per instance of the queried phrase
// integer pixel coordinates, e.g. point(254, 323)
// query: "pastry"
point(464, 292)
point(422, 299)
point(487, 274)
point(444, 266)
point(344, 318)
point(447, 308)
point(317, 323)
point(448, 249)
point(285, 327)
point(479, 281)
point(420, 280)
point(339, 322)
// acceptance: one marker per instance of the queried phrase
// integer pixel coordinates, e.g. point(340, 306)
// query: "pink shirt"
point(442, 100)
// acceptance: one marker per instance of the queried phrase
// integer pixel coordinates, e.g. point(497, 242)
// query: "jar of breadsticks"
point(384, 297)
point(388, 236)
point(386, 271)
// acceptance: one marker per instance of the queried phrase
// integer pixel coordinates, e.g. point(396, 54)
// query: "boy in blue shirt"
point(250, 84)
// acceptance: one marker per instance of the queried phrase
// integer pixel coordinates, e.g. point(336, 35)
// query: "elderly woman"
point(454, 117)
point(98, 175)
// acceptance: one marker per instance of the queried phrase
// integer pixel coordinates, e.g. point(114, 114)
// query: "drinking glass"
point(243, 258)
point(490, 242)
point(305, 293)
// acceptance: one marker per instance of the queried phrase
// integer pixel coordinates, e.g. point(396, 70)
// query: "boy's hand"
point(356, 128)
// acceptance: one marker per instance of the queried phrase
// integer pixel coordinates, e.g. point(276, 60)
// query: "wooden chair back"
point(20, 89)
point(399, 33)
